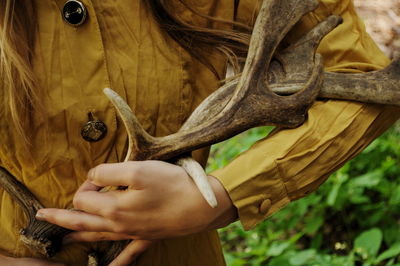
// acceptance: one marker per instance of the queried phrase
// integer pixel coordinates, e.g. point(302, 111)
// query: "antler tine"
point(380, 87)
point(196, 171)
point(252, 103)
point(295, 63)
point(40, 236)
point(269, 30)
point(19, 193)
point(265, 38)
point(305, 48)
point(137, 136)
point(372, 87)
point(211, 106)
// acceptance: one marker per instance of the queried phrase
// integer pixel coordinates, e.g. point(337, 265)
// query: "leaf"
point(359, 199)
point(390, 253)
point(313, 225)
point(395, 198)
point(277, 248)
point(368, 242)
point(368, 180)
point(278, 261)
point(333, 195)
point(302, 257)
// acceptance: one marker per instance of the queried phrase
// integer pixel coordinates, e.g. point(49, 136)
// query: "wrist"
point(226, 212)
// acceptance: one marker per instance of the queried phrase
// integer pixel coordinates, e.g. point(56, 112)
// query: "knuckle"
point(78, 201)
point(120, 229)
point(79, 225)
point(94, 172)
point(135, 173)
point(111, 213)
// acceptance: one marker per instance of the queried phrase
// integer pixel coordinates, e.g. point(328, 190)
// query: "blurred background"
point(382, 20)
point(354, 217)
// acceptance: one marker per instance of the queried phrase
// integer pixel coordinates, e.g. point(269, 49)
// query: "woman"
point(151, 53)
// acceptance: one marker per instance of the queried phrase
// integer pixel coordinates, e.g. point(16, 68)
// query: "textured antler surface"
point(251, 104)
point(41, 236)
point(277, 87)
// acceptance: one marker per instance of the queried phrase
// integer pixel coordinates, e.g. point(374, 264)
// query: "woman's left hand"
point(161, 202)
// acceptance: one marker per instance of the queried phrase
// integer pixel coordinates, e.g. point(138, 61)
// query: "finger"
point(110, 204)
point(117, 174)
point(97, 203)
point(131, 252)
point(75, 220)
point(93, 237)
point(88, 186)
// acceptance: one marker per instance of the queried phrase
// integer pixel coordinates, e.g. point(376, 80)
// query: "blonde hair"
point(231, 41)
point(17, 30)
point(16, 77)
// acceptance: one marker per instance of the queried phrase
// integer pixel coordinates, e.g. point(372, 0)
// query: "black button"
point(74, 13)
point(94, 130)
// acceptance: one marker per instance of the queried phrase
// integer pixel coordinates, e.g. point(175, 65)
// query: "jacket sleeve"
point(291, 163)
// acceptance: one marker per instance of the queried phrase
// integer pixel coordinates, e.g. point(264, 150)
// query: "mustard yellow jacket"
point(120, 46)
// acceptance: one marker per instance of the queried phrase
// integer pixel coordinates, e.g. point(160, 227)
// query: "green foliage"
point(352, 219)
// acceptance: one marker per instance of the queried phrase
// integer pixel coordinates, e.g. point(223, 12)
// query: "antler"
point(251, 104)
point(255, 98)
point(248, 101)
point(41, 236)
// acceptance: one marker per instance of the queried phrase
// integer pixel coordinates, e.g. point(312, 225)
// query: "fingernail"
point(40, 216)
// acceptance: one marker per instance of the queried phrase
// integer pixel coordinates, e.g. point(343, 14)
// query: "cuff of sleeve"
point(290, 164)
point(268, 194)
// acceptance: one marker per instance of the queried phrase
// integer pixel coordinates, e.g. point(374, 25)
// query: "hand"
point(161, 202)
point(9, 261)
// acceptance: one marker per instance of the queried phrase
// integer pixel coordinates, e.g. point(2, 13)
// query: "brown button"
point(94, 130)
point(265, 206)
point(74, 13)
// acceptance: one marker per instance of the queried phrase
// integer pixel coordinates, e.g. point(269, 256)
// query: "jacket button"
point(265, 206)
point(94, 130)
point(74, 13)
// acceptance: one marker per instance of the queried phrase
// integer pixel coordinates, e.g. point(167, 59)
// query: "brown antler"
point(250, 104)
point(236, 106)
point(255, 98)
point(41, 236)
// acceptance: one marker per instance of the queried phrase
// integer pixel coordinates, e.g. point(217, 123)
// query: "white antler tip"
point(196, 172)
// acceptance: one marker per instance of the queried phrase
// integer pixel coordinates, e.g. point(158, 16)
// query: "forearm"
point(227, 213)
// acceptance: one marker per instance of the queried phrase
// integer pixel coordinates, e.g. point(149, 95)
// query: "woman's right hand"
point(10, 261)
